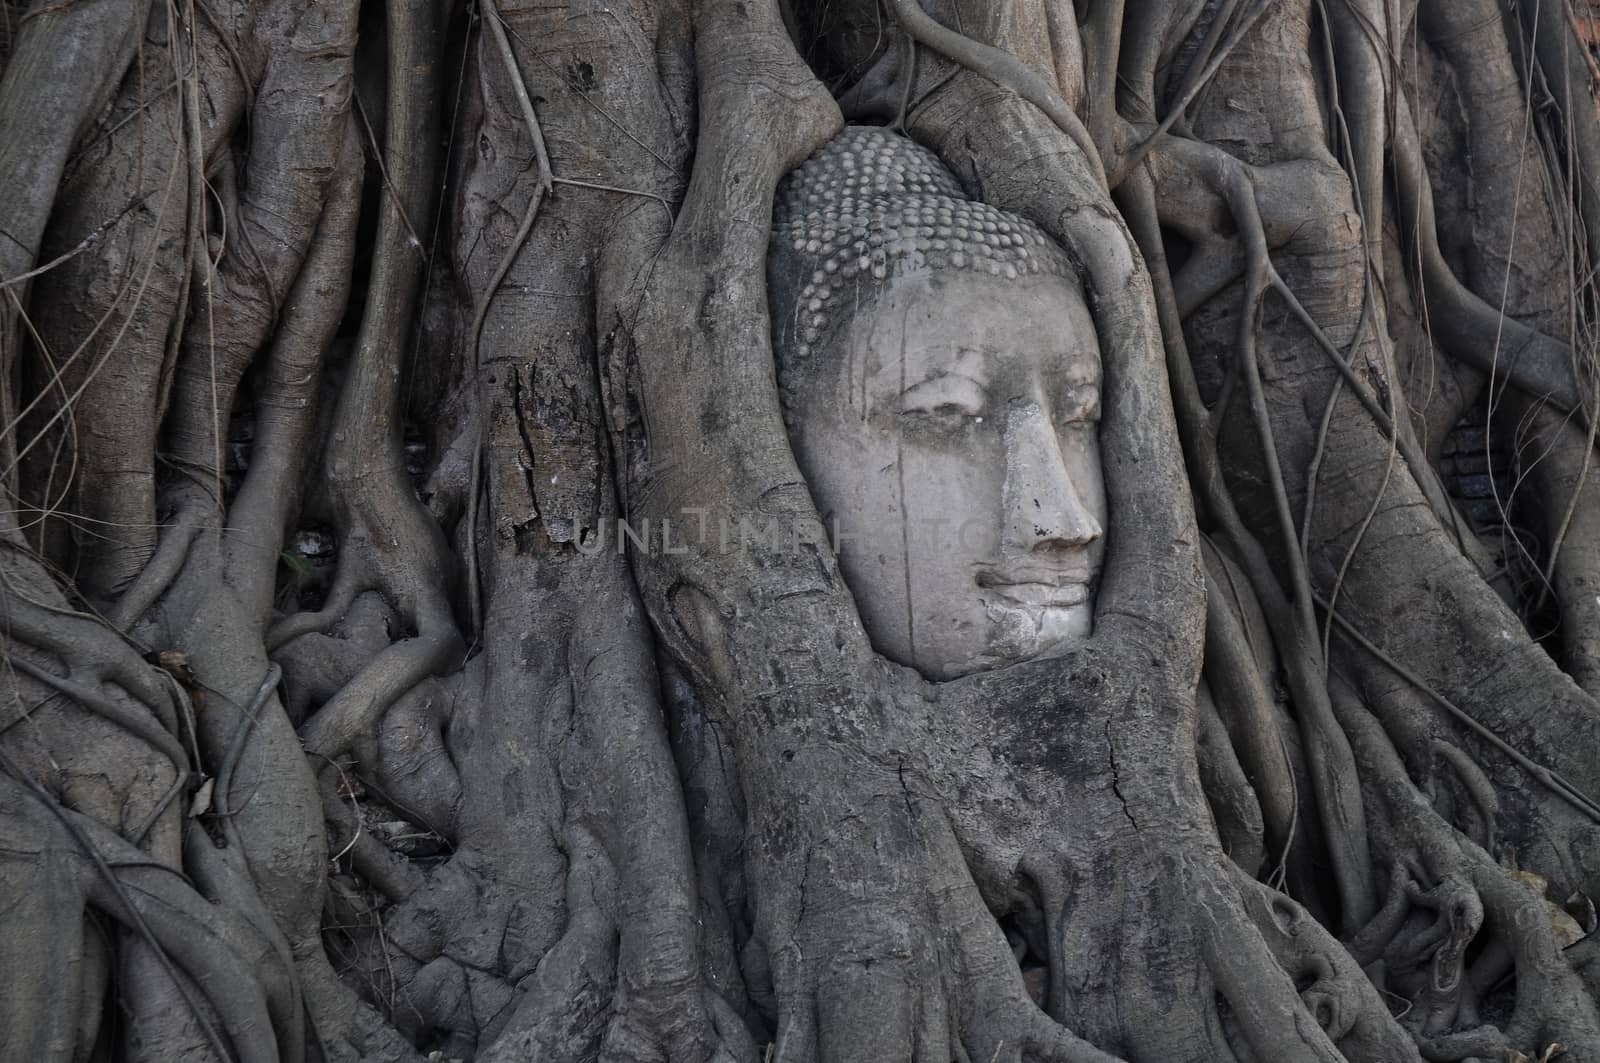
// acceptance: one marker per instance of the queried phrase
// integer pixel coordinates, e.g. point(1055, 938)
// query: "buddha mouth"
point(1069, 591)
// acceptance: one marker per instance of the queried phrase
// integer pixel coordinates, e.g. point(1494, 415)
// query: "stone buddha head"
point(940, 378)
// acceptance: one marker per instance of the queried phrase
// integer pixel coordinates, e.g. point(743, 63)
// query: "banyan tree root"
point(1447, 896)
point(388, 541)
point(911, 826)
point(1018, 866)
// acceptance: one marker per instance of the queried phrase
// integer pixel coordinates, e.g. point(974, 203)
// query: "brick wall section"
point(1589, 23)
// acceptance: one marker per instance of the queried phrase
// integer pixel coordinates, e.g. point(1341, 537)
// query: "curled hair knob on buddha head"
point(870, 206)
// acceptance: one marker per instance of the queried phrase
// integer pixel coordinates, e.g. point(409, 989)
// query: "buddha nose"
point(1045, 514)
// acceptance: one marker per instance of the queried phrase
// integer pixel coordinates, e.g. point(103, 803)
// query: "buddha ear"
point(704, 632)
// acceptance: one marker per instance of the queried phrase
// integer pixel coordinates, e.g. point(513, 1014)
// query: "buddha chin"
point(1019, 633)
point(945, 413)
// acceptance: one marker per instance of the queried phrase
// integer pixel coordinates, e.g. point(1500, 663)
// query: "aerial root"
point(44, 996)
point(208, 956)
point(1368, 943)
point(1447, 897)
point(1329, 756)
point(1445, 996)
point(223, 877)
point(1244, 707)
point(350, 581)
point(354, 713)
point(86, 693)
point(1291, 616)
point(1003, 69)
point(1481, 1043)
point(388, 541)
point(563, 1010)
point(1473, 330)
point(385, 870)
point(1265, 1009)
point(160, 571)
point(906, 966)
point(1234, 803)
point(94, 649)
point(1335, 989)
point(873, 1002)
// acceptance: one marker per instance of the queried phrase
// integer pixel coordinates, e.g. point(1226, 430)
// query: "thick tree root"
point(1333, 986)
point(1446, 895)
point(892, 955)
point(214, 952)
point(388, 541)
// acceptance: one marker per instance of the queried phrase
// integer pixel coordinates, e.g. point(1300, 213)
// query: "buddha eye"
point(948, 397)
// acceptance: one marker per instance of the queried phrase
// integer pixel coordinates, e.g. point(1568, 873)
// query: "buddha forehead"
point(873, 210)
point(985, 328)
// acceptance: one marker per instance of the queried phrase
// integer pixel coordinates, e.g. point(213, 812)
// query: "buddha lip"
point(1037, 592)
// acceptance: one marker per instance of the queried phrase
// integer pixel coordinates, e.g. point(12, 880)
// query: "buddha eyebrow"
point(949, 374)
point(946, 362)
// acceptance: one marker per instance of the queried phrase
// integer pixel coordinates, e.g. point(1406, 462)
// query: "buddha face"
point(951, 440)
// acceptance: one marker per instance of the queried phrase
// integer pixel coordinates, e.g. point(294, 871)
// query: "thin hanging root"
point(90, 240)
point(1003, 69)
point(1551, 780)
point(543, 185)
point(160, 571)
point(1470, 328)
point(1137, 200)
point(1563, 59)
point(1198, 78)
point(385, 870)
point(1565, 468)
point(1332, 764)
point(94, 648)
point(241, 731)
point(92, 699)
point(77, 829)
point(1397, 432)
point(1208, 272)
point(1137, 155)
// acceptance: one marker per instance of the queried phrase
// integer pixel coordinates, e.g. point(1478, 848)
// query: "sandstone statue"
point(941, 378)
